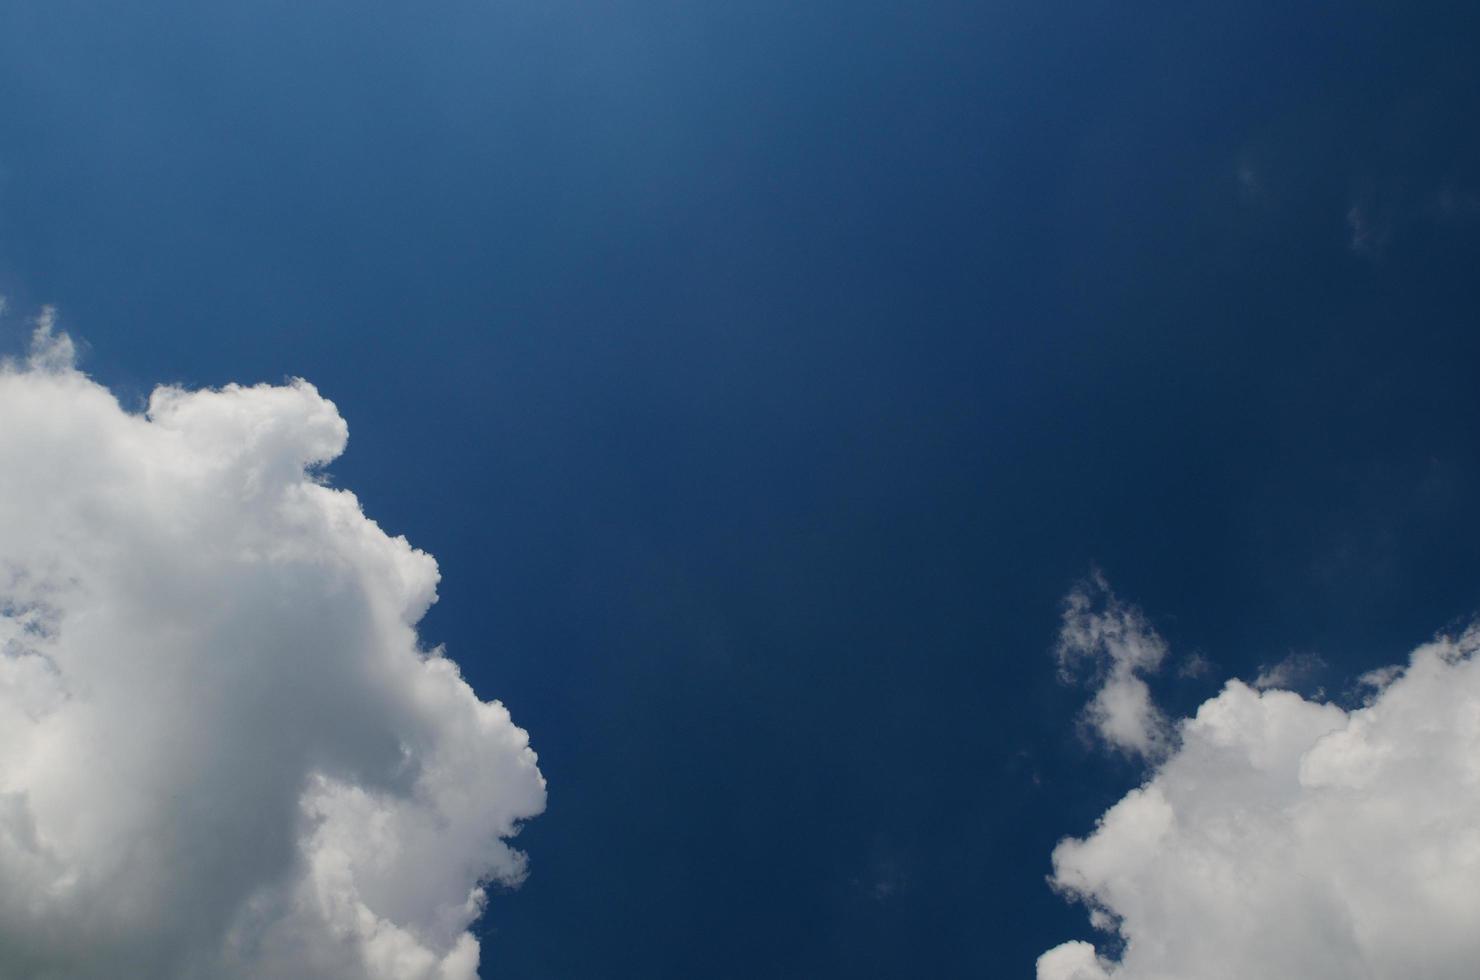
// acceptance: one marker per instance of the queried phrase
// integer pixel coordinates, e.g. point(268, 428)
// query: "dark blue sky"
point(762, 375)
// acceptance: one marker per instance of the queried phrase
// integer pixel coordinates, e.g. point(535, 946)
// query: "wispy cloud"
point(1112, 646)
point(1291, 673)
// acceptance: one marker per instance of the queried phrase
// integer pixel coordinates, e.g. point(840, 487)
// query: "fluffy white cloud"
point(223, 753)
point(1115, 645)
point(1284, 837)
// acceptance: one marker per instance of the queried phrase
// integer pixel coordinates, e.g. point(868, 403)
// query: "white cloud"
point(1115, 645)
point(1290, 838)
point(1071, 961)
point(50, 351)
point(223, 753)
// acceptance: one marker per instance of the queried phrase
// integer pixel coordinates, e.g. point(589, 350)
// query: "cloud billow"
point(223, 751)
point(1286, 837)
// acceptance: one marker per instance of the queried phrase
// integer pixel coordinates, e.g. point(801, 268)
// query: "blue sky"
point(762, 377)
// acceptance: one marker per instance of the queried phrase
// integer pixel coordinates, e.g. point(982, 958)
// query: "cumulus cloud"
point(223, 751)
point(1113, 645)
point(1285, 837)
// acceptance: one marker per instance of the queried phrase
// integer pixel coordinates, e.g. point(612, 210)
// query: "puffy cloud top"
point(1284, 837)
point(223, 752)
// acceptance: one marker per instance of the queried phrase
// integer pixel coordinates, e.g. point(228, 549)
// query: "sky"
point(852, 438)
